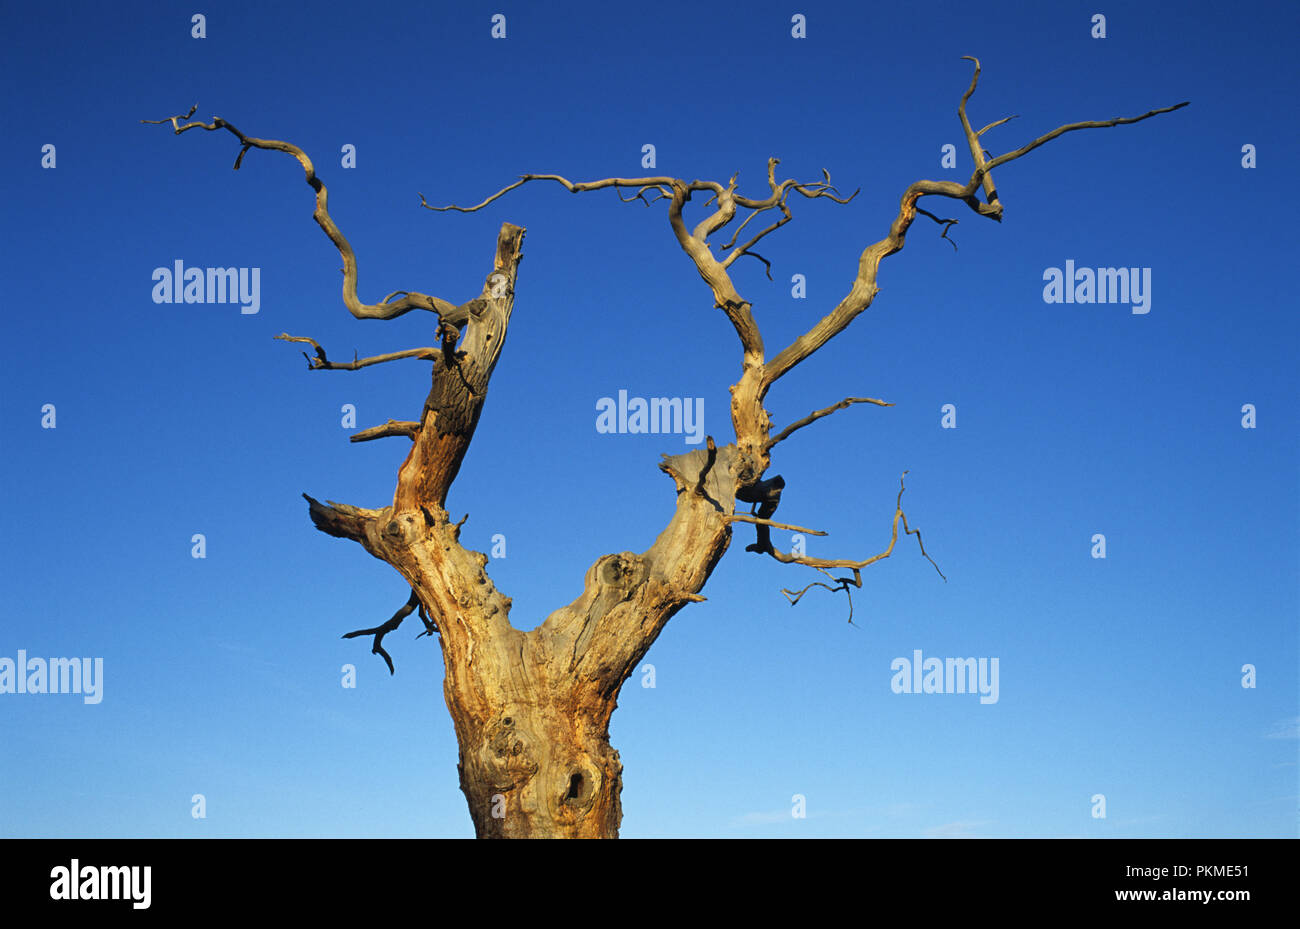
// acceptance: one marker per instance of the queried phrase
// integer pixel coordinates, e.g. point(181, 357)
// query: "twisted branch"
point(821, 564)
point(382, 630)
point(864, 289)
point(387, 309)
point(695, 241)
point(856, 566)
point(841, 583)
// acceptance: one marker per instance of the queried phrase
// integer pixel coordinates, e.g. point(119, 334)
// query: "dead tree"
point(532, 709)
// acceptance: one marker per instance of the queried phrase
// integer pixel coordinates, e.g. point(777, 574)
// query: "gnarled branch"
point(864, 288)
point(857, 566)
point(380, 631)
point(841, 584)
point(387, 309)
point(695, 241)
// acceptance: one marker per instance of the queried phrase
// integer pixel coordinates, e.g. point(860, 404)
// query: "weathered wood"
point(531, 710)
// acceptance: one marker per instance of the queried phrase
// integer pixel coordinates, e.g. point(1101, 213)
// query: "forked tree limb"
point(857, 566)
point(972, 137)
point(841, 584)
point(714, 272)
point(864, 288)
point(382, 630)
point(695, 241)
point(778, 200)
point(996, 123)
point(946, 223)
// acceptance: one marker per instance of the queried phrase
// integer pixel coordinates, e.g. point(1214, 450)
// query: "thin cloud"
point(962, 829)
point(762, 819)
point(1286, 729)
point(772, 817)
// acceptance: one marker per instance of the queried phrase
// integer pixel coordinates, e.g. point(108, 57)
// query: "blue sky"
point(1120, 677)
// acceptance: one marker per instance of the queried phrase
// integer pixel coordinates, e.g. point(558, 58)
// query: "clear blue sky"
point(1119, 677)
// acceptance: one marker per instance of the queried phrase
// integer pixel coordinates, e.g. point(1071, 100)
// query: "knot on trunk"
point(510, 758)
point(623, 571)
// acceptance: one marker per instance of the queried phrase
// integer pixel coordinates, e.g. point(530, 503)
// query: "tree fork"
point(531, 710)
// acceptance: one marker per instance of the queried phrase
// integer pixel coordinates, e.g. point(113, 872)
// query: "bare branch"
point(741, 517)
point(321, 363)
point(972, 137)
point(382, 630)
point(174, 120)
point(864, 288)
point(856, 566)
point(767, 265)
point(385, 310)
point(946, 223)
point(736, 233)
point(430, 627)
point(725, 295)
point(391, 428)
point(1071, 127)
point(996, 123)
point(818, 414)
point(570, 186)
point(777, 200)
point(814, 191)
point(841, 584)
point(341, 519)
point(745, 249)
point(694, 242)
point(640, 194)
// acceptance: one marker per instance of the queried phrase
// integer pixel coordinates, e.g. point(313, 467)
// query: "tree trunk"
point(532, 709)
point(535, 758)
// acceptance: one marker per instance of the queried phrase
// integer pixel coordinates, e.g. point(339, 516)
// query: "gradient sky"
point(222, 676)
